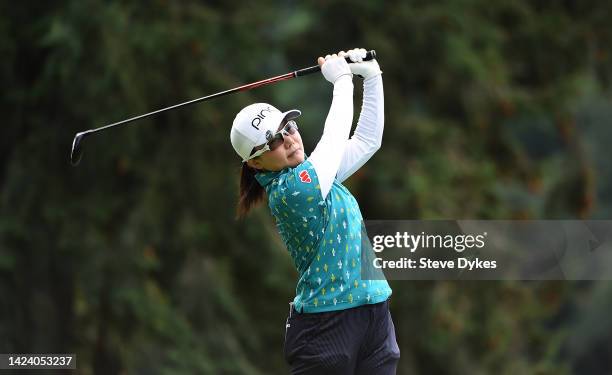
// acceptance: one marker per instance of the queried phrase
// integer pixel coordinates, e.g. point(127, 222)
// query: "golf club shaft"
point(298, 73)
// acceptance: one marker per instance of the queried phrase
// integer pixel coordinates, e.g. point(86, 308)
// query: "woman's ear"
point(254, 163)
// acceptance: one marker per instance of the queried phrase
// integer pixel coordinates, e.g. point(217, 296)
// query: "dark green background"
point(133, 260)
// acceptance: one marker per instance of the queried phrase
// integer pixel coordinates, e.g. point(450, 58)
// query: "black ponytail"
point(251, 192)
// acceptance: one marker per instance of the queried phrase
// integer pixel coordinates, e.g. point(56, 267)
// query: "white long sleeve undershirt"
point(336, 156)
point(367, 138)
point(327, 155)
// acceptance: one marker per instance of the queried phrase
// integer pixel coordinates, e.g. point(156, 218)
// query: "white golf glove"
point(365, 69)
point(335, 67)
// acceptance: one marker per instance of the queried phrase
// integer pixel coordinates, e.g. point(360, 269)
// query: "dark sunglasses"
point(277, 139)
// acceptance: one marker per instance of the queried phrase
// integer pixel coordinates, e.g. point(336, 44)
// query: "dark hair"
point(251, 192)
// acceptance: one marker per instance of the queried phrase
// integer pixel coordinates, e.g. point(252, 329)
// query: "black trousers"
point(359, 340)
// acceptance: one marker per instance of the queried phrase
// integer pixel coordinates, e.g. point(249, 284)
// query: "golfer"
point(338, 323)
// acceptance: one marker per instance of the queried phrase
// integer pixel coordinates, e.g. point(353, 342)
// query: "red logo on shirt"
point(305, 177)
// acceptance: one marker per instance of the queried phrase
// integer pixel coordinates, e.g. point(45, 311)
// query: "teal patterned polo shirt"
point(324, 238)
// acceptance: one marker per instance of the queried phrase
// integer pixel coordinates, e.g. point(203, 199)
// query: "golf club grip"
point(370, 55)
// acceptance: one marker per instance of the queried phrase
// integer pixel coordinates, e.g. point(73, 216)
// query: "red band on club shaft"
point(266, 81)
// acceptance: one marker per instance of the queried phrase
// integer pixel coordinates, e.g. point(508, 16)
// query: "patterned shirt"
point(325, 238)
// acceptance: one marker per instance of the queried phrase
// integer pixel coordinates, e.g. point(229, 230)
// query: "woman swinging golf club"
point(338, 323)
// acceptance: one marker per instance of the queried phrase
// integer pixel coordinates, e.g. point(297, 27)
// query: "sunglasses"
point(276, 140)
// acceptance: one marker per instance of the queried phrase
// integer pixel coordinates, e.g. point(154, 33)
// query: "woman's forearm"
point(367, 138)
point(328, 153)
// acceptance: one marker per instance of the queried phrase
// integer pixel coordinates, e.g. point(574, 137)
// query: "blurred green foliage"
point(134, 260)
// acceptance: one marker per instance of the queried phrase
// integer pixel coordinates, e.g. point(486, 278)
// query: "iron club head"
point(77, 151)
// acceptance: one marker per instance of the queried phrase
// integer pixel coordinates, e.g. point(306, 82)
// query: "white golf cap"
point(255, 124)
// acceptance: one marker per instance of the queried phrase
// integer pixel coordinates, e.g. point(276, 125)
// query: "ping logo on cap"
point(260, 116)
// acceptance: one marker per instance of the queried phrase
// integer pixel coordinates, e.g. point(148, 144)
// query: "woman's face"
point(289, 154)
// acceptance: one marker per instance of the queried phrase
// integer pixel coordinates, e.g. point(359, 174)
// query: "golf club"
point(77, 148)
